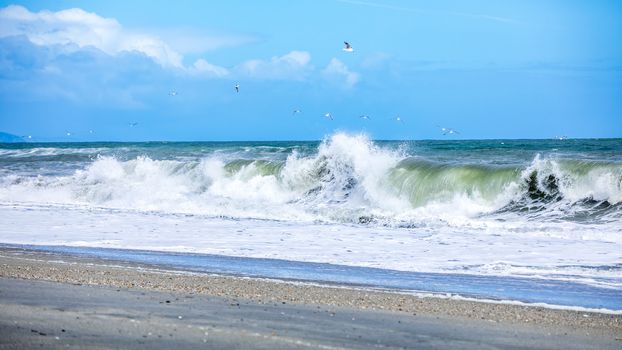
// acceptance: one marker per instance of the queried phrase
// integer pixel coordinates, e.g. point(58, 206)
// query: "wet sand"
point(86, 302)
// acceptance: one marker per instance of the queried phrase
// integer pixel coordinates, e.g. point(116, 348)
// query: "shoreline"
point(74, 270)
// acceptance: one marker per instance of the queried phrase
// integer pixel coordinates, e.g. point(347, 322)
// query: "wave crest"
point(348, 179)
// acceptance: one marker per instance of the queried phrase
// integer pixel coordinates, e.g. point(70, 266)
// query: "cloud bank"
point(69, 37)
point(79, 29)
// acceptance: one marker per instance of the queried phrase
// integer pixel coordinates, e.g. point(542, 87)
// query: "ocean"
point(544, 212)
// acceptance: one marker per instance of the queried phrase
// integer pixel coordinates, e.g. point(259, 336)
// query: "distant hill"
point(6, 137)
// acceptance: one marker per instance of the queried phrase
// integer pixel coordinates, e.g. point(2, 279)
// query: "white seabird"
point(329, 116)
point(296, 111)
point(449, 131)
point(172, 93)
point(347, 47)
point(366, 117)
point(133, 124)
point(237, 87)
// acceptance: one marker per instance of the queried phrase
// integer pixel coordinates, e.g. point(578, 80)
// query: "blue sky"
point(490, 69)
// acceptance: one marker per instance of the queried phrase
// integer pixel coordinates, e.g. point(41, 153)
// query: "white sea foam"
point(434, 248)
point(349, 179)
point(350, 202)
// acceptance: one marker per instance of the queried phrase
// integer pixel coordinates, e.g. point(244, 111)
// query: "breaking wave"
point(348, 179)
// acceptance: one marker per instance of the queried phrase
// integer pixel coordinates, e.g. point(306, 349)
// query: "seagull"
point(237, 87)
point(133, 124)
point(173, 93)
point(329, 116)
point(450, 131)
point(347, 47)
point(397, 119)
point(366, 117)
point(296, 111)
point(68, 133)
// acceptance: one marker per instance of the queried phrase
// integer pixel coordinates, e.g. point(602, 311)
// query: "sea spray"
point(347, 178)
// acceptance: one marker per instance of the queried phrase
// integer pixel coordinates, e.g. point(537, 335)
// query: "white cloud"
point(78, 28)
point(338, 70)
point(294, 65)
point(201, 66)
point(74, 29)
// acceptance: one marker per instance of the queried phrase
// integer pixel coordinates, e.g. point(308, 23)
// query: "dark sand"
point(92, 303)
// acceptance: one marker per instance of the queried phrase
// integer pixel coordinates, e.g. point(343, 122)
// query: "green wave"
point(422, 181)
point(262, 167)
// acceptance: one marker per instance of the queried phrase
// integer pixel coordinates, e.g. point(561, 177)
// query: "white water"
point(541, 250)
point(349, 179)
point(310, 209)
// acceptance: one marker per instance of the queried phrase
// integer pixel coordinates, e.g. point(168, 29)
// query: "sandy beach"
point(57, 301)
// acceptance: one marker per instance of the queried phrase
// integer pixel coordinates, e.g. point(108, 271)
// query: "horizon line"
point(313, 140)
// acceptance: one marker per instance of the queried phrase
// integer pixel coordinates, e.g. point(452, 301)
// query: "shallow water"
point(526, 290)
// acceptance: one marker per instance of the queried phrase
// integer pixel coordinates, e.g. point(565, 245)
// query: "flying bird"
point(448, 131)
point(296, 111)
point(172, 93)
point(366, 117)
point(237, 87)
point(397, 119)
point(133, 124)
point(329, 116)
point(347, 47)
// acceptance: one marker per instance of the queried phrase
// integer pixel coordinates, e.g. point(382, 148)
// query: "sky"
point(162, 70)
